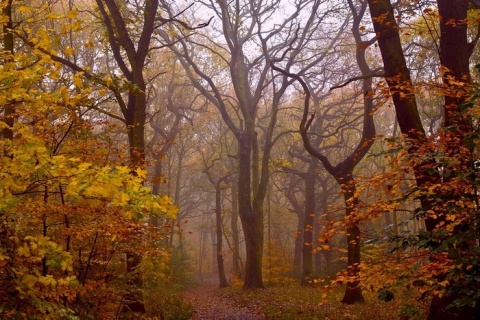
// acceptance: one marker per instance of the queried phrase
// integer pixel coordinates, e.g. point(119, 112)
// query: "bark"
point(309, 217)
point(218, 252)
point(398, 78)
point(251, 217)
point(135, 117)
point(201, 251)
point(236, 261)
point(317, 257)
point(156, 183)
point(290, 192)
point(165, 134)
point(176, 198)
point(396, 71)
point(328, 268)
point(353, 292)
point(456, 76)
point(219, 233)
point(343, 173)
point(254, 248)
point(297, 256)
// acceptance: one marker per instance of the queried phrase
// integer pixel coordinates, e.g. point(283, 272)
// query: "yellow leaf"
point(47, 280)
point(129, 214)
point(141, 173)
point(77, 80)
point(24, 251)
point(84, 166)
point(172, 212)
point(65, 266)
point(68, 51)
point(122, 169)
point(123, 199)
point(29, 280)
point(24, 9)
point(108, 81)
point(72, 14)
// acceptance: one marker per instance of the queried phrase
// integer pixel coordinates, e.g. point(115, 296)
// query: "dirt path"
point(210, 303)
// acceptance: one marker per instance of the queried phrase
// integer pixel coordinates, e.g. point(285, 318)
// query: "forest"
point(240, 159)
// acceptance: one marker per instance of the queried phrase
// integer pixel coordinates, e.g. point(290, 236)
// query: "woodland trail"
point(211, 303)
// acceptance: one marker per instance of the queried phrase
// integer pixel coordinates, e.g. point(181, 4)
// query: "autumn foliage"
point(70, 211)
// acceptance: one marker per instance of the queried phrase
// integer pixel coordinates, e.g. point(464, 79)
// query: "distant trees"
point(342, 171)
point(241, 98)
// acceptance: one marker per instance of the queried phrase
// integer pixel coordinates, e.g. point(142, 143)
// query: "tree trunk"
point(396, 71)
point(157, 177)
point(307, 247)
point(401, 88)
point(453, 34)
point(317, 257)
point(455, 51)
point(297, 256)
point(253, 230)
point(326, 254)
point(219, 232)
point(353, 292)
point(236, 261)
point(252, 220)
point(135, 121)
point(154, 220)
point(201, 251)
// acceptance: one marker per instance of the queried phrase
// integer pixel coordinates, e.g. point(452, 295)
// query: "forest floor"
point(287, 302)
point(211, 303)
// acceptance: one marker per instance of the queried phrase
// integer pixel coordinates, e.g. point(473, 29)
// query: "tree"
point(454, 52)
point(242, 25)
point(343, 171)
point(307, 220)
point(49, 42)
point(218, 222)
point(68, 219)
point(397, 76)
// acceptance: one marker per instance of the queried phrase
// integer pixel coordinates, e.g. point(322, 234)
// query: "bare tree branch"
point(356, 79)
